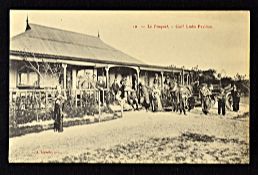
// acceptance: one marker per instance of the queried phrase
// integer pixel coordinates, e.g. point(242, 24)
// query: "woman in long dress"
point(156, 93)
point(58, 109)
point(144, 95)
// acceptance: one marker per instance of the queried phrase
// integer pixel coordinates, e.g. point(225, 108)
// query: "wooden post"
point(99, 104)
point(40, 96)
point(46, 98)
point(28, 77)
point(107, 77)
point(188, 79)
point(138, 81)
point(46, 103)
point(76, 98)
point(162, 79)
point(80, 98)
point(103, 96)
point(183, 77)
point(74, 76)
point(64, 67)
point(186, 82)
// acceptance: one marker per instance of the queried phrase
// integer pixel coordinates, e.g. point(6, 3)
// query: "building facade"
point(44, 57)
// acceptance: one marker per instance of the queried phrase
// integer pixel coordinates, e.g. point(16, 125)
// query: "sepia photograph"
point(155, 87)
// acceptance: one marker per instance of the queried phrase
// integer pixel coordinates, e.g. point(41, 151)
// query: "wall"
point(48, 81)
point(12, 74)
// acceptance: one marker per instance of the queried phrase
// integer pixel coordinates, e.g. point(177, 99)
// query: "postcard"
point(170, 87)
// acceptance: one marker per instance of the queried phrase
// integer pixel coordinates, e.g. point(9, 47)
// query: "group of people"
point(180, 96)
point(150, 97)
point(121, 93)
point(206, 95)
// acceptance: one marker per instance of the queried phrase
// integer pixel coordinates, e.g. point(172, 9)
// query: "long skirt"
point(58, 117)
point(156, 104)
point(159, 104)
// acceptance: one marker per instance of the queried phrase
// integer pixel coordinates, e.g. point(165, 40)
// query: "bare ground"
point(143, 137)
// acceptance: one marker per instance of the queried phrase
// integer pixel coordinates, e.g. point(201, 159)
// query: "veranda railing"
point(40, 101)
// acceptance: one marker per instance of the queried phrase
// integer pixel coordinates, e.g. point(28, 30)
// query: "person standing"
point(167, 83)
point(165, 90)
point(235, 98)
point(156, 94)
point(134, 82)
point(205, 93)
point(144, 94)
point(93, 82)
point(115, 87)
point(101, 86)
point(181, 101)
point(222, 102)
point(58, 109)
point(156, 80)
point(122, 87)
point(174, 96)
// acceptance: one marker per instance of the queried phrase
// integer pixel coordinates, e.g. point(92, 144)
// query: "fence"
point(37, 104)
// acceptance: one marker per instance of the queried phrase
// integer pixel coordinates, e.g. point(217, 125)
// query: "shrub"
point(12, 118)
point(75, 112)
point(28, 109)
point(25, 116)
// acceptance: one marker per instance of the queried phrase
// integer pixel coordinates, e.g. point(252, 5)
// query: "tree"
point(239, 77)
point(242, 84)
point(225, 81)
point(208, 76)
point(42, 67)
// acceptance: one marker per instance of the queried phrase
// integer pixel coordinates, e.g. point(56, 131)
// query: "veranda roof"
point(61, 43)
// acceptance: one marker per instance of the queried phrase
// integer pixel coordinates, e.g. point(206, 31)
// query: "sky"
point(218, 40)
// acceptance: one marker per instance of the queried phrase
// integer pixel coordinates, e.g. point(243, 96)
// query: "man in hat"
point(222, 102)
point(235, 98)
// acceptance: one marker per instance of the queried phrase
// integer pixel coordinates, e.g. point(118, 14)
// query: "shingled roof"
point(40, 39)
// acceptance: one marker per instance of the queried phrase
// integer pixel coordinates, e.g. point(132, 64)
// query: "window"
point(33, 79)
point(28, 78)
point(23, 77)
point(85, 78)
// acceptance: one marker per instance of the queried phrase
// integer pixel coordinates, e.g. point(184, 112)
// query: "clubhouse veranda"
point(78, 53)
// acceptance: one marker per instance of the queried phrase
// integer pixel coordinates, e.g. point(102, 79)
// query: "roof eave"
point(40, 55)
